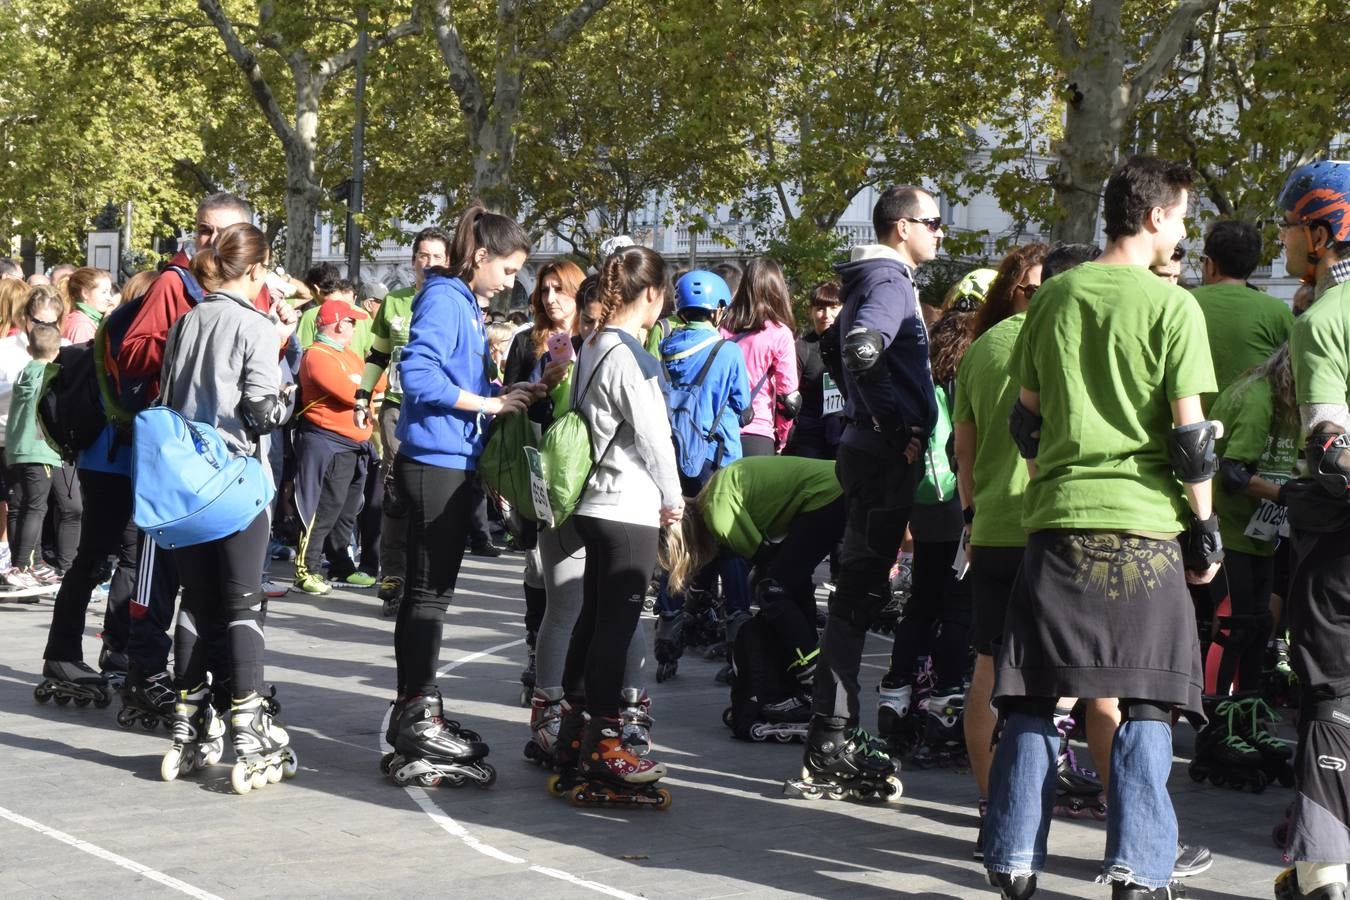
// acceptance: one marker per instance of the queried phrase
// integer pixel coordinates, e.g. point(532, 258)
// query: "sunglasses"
point(933, 223)
point(205, 230)
point(1028, 289)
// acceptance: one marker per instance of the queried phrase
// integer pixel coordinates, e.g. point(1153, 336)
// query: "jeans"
point(1141, 825)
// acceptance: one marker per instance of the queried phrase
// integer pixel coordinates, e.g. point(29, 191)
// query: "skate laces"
point(1259, 711)
point(1229, 710)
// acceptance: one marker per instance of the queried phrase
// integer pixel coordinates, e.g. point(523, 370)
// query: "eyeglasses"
point(933, 223)
point(1282, 224)
point(205, 230)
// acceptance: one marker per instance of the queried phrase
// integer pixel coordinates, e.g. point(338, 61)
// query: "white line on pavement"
point(449, 825)
point(95, 850)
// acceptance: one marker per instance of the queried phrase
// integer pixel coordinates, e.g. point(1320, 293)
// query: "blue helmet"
point(1320, 192)
point(701, 289)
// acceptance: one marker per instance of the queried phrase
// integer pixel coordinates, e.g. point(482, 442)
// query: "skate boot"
point(901, 582)
point(669, 644)
point(1286, 888)
point(1251, 717)
point(898, 722)
point(944, 737)
point(1013, 887)
point(262, 749)
point(784, 721)
point(1224, 757)
point(728, 650)
point(527, 674)
point(978, 853)
point(1078, 792)
point(113, 664)
point(572, 719)
point(1278, 681)
point(840, 766)
point(545, 720)
point(609, 775)
point(636, 714)
point(390, 593)
point(198, 735)
point(1122, 891)
point(148, 700)
point(64, 681)
point(428, 749)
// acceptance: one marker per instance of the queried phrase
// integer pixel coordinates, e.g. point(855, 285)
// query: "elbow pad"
point(1190, 448)
point(789, 405)
point(1328, 457)
point(1234, 476)
point(831, 356)
point(863, 353)
point(1025, 426)
point(377, 358)
point(263, 414)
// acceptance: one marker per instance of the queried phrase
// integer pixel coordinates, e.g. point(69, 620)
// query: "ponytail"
point(235, 249)
point(479, 229)
point(82, 279)
point(625, 276)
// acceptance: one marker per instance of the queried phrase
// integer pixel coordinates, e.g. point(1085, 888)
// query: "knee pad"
point(1145, 711)
point(245, 606)
point(859, 610)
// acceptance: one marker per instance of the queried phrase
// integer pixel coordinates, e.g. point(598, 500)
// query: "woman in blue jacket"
point(448, 397)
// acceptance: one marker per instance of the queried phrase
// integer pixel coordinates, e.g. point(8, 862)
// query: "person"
point(240, 393)
point(1169, 270)
point(389, 334)
point(445, 402)
point(344, 291)
point(820, 424)
point(632, 491)
point(10, 270)
point(13, 357)
point(890, 408)
point(1244, 326)
point(331, 452)
point(88, 299)
point(58, 274)
point(31, 462)
point(1316, 234)
point(785, 514)
point(1108, 416)
point(759, 320)
point(37, 279)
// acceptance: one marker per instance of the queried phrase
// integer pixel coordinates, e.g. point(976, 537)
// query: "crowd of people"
point(1083, 501)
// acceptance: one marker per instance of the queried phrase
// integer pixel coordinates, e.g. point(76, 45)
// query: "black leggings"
point(936, 599)
point(619, 562)
point(222, 585)
point(1244, 632)
point(439, 502)
point(32, 486)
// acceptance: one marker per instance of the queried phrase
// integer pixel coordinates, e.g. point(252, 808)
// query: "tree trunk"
point(303, 193)
point(1093, 130)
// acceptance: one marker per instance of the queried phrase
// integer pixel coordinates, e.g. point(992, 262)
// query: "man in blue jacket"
point(891, 410)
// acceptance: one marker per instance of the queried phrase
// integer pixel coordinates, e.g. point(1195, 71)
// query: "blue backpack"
point(691, 440)
point(188, 488)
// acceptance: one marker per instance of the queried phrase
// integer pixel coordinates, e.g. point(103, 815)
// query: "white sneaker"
point(19, 579)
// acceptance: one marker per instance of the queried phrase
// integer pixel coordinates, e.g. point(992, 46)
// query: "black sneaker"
point(486, 549)
point(1191, 860)
point(978, 852)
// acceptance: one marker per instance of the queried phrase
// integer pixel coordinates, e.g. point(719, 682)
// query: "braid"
point(610, 291)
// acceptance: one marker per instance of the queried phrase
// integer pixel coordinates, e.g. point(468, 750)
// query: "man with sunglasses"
point(890, 407)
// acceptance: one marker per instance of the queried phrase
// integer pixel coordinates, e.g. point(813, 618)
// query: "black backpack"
point(69, 410)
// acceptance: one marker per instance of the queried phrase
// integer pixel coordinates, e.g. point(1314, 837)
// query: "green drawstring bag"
point(503, 466)
point(939, 481)
point(567, 457)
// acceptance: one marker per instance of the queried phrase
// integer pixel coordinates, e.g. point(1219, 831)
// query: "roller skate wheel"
point(895, 789)
point(454, 779)
point(783, 737)
point(259, 777)
point(103, 701)
point(169, 766)
point(490, 778)
point(1197, 773)
point(42, 693)
point(151, 722)
point(290, 763)
point(836, 792)
point(555, 785)
point(726, 717)
point(526, 696)
point(1286, 778)
point(663, 799)
point(1259, 783)
point(274, 773)
point(82, 701)
point(240, 780)
point(386, 764)
point(213, 755)
point(399, 778)
point(126, 717)
point(577, 796)
point(1217, 779)
point(62, 699)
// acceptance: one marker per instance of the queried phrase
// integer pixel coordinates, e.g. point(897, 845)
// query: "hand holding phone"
point(559, 345)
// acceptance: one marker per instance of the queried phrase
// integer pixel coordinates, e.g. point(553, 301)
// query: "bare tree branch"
point(245, 59)
point(1167, 46)
point(1058, 21)
point(564, 29)
point(339, 62)
point(198, 174)
point(463, 79)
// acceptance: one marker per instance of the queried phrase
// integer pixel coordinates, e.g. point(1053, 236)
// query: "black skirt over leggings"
point(619, 562)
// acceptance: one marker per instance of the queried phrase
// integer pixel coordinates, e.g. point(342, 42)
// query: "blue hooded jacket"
point(878, 293)
point(683, 355)
point(446, 355)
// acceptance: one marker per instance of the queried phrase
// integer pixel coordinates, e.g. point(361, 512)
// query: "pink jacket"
point(771, 349)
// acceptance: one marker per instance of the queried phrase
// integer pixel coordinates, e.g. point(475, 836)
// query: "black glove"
point(1201, 546)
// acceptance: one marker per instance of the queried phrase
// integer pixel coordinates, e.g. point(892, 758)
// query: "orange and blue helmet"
point(1320, 192)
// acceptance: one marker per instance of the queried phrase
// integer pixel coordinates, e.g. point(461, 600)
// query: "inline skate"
point(1078, 791)
point(1224, 757)
point(545, 718)
point(901, 580)
point(198, 735)
point(608, 774)
point(527, 674)
point(429, 749)
point(67, 680)
point(669, 644)
point(1278, 680)
point(840, 764)
point(113, 664)
point(147, 700)
point(1251, 713)
point(944, 739)
point(261, 748)
point(1287, 888)
point(636, 714)
point(899, 719)
point(784, 721)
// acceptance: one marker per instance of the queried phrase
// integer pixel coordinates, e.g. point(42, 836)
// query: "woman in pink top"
point(88, 298)
point(759, 320)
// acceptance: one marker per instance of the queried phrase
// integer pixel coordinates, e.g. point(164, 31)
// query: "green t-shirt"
point(389, 332)
point(24, 440)
point(1320, 347)
point(756, 498)
point(985, 392)
point(307, 329)
point(1247, 412)
point(1108, 348)
point(1244, 326)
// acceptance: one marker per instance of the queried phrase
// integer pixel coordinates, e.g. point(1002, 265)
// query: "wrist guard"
point(1201, 546)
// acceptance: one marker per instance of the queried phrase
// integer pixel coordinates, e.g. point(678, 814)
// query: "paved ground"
point(84, 814)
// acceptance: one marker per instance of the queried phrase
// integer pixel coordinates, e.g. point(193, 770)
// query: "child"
point(499, 342)
point(31, 461)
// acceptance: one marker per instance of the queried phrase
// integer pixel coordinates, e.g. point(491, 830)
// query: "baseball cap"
point(376, 290)
point(334, 311)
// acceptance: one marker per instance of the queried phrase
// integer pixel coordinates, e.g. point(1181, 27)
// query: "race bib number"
point(1267, 523)
point(834, 398)
point(543, 510)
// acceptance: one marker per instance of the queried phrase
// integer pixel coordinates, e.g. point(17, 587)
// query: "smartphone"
point(559, 345)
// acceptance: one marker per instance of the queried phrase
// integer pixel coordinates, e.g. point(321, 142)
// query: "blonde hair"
point(686, 548)
point(13, 296)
